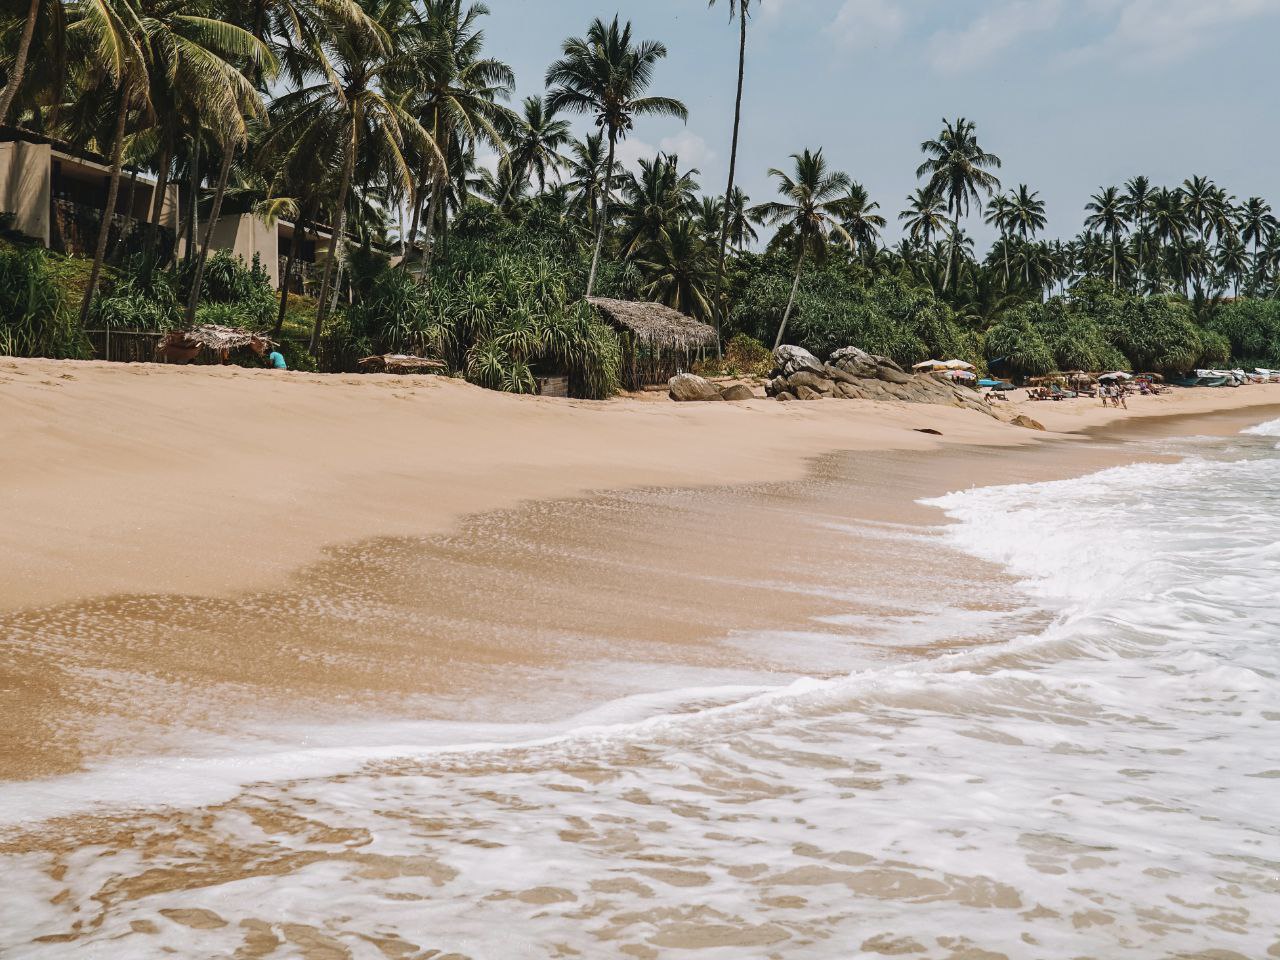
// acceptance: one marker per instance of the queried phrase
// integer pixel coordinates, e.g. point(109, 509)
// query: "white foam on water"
point(1102, 787)
point(1269, 429)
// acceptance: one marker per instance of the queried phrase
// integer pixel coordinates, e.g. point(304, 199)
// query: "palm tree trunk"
point(127, 223)
point(429, 230)
point(791, 302)
point(733, 163)
point(228, 152)
point(340, 225)
point(113, 191)
point(19, 68)
point(295, 247)
point(162, 182)
point(193, 215)
point(604, 215)
point(413, 225)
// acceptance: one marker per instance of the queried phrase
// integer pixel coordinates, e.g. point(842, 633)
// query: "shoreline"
point(531, 611)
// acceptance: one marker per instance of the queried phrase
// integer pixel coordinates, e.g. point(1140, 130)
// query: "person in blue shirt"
point(276, 359)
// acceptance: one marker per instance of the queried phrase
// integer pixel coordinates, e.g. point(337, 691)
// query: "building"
point(56, 194)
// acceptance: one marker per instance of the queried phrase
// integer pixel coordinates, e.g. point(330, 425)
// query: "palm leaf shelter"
point(657, 341)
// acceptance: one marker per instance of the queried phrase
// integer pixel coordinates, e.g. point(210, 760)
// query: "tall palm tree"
point(1257, 225)
point(860, 220)
point(341, 109)
point(958, 168)
point(536, 142)
point(457, 94)
point(1107, 215)
point(741, 9)
point(605, 75)
point(807, 216)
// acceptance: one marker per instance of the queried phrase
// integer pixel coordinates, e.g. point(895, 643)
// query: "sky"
point(1073, 95)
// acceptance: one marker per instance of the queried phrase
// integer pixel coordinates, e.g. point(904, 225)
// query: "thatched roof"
point(216, 337)
point(654, 323)
point(399, 363)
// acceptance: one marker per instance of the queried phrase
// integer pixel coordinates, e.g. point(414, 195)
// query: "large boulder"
point(739, 391)
point(815, 382)
point(893, 375)
point(853, 361)
point(688, 387)
point(792, 360)
point(804, 393)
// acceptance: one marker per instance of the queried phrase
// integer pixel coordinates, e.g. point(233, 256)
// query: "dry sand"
point(204, 551)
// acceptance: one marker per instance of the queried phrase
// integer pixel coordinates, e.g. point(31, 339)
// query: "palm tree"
point(456, 98)
point(341, 110)
point(1107, 215)
point(859, 218)
point(1257, 226)
point(999, 214)
point(536, 143)
point(959, 170)
point(742, 9)
point(708, 216)
point(17, 71)
point(677, 266)
point(809, 214)
point(741, 232)
point(656, 197)
point(586, 178)
point(605, 75)
point(925, 215)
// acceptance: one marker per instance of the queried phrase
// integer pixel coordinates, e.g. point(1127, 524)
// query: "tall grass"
point(37, 313)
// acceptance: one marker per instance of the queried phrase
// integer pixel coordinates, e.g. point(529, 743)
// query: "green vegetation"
point(372, 117)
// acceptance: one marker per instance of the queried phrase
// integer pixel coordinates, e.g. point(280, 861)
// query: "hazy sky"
point(1071, 94)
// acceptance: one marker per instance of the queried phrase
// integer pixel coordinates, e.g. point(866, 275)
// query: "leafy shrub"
point(1016, 345)
point(37, 317)
point(1252, 327)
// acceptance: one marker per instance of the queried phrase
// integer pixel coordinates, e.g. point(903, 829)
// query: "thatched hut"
point(400, 363)
point(657, 342)
point(211, 343)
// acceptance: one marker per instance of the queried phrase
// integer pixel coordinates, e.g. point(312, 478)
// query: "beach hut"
point(657, 342)
point(210, 343)
point(400, 363)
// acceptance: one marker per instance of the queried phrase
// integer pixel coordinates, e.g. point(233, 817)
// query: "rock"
point(886, 362)
point(841, 376)
point(687, 387)
point(792, 360)
point(929, 430)
point(739, 391)
point(805, 393)
point(815, 382)
point(784, 395)
point(775, 386)
point(1022, 420)
point(849, 391)
point(892, 375)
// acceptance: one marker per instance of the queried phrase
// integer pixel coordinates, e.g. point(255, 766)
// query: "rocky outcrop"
point(688, 387)
point(854, 374)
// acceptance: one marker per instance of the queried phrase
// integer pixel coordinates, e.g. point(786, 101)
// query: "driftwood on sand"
point(401, 363)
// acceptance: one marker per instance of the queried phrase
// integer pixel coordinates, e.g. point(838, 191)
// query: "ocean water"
point(1101, 779)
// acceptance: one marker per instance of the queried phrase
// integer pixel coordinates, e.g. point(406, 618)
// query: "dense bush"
point(1015, 345)
point(1252, 328)
point(37, 315)
point(500, 323)
point(837, 306)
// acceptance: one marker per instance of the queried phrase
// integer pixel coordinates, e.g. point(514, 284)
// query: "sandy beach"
point(186, 550)
point(248, 623)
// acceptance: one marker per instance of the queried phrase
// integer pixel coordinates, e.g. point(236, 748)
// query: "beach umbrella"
point(928, 365)
point(958, 365)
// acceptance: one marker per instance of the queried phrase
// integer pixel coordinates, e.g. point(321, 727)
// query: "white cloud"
point(952, 51)
point(869, 23)
point(1167, 30)
point(692, 150)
